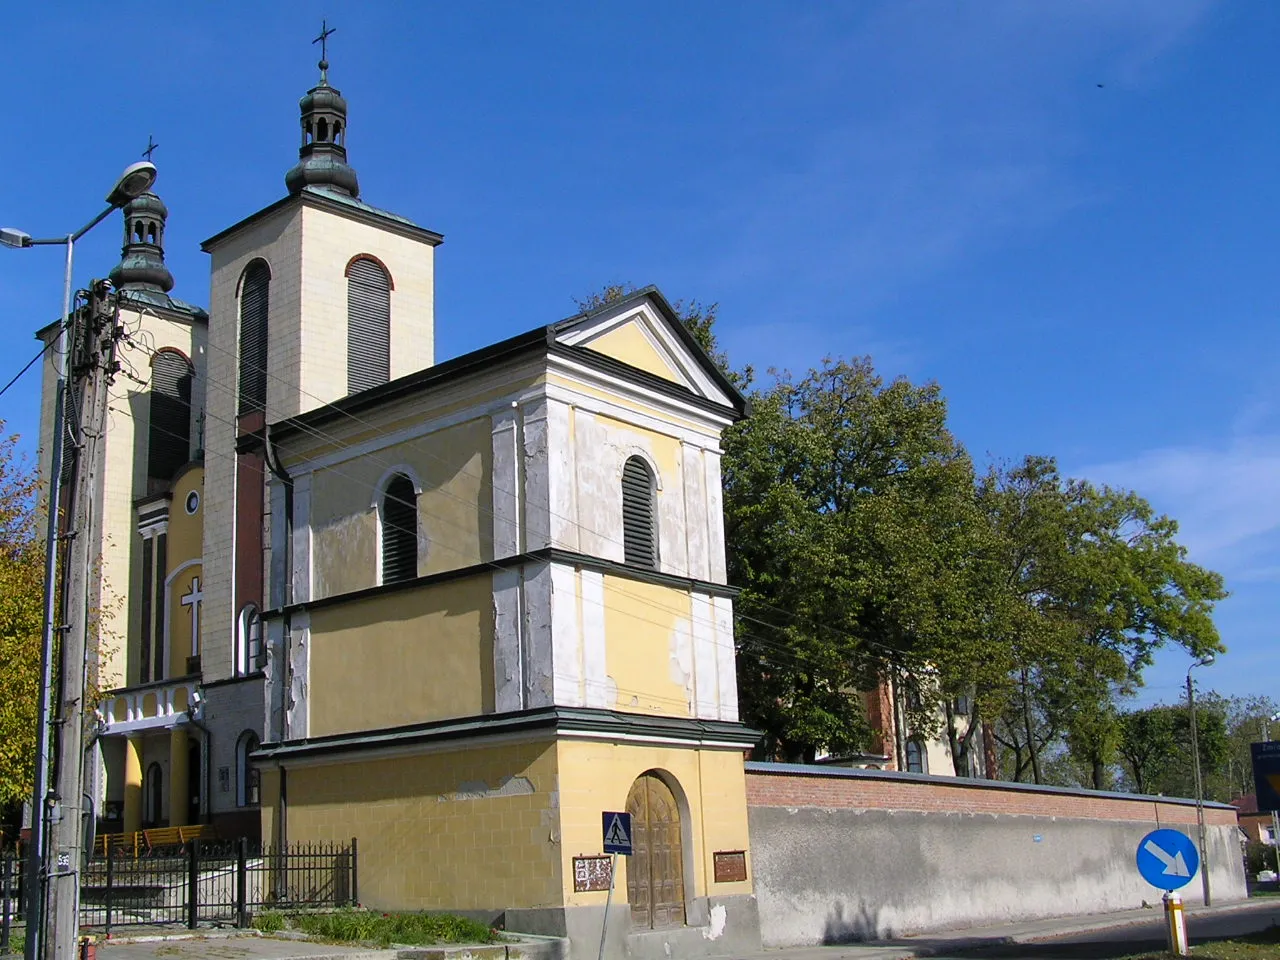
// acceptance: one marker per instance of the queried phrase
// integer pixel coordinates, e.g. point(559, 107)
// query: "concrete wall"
point(842, 855)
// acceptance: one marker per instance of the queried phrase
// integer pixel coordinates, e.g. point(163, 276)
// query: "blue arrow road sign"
point(617, 833)
point(1167, 859)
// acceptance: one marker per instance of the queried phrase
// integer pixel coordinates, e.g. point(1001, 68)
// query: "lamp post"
point(1204, 661)
point(135, 181)
point(1275, 815)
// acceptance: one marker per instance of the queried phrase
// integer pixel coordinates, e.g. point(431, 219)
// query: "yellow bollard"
point(1176, 925)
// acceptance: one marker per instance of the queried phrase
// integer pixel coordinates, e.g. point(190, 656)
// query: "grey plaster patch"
point(479, 790)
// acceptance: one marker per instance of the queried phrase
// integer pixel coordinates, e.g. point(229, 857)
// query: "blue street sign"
point(1266, 774)
point(617, 833)
point(1167, 859)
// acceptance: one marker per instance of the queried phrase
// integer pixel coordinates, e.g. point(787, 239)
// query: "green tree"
point(21, 617)
point(1096, 583)
point(1149, 744)
point(851, 526)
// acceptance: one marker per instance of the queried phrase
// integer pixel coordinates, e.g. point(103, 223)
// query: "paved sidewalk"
point(1120, 926)
point(221, 946)
point(1109, 928)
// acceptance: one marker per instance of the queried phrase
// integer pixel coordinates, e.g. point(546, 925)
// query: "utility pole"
point(93, 361)
point(1195, 755)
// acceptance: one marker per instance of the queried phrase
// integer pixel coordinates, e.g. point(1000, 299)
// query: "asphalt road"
point(1136, 937)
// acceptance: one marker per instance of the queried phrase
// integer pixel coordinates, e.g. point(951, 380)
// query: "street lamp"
point(135, 181)
point(1204, 661)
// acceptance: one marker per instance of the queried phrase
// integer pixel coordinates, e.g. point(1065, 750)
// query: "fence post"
point(193, 885)
point(355, 891)
point(110, 883)
point(242, 882)
point(6, 878)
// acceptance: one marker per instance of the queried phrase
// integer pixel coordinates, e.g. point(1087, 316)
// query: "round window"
point(193, 502)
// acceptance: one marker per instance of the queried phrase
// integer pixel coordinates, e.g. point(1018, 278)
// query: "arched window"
point(153, 795)
point(915, 757)
point(169, 436)
point(248, 792)
point(255, 289)
point(249, 649)
point(639, 531)
point(368, 324)
point(399, 530)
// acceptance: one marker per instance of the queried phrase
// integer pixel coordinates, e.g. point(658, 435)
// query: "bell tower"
point(315, 297)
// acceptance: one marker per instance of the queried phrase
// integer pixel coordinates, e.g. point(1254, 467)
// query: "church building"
point(455, 610)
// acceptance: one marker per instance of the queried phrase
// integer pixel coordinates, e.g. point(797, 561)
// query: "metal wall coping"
point(850, 773)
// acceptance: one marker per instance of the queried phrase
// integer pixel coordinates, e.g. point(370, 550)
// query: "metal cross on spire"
point(325, 32)
point(151, 147)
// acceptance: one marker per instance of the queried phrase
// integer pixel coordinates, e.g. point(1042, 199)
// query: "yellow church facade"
point(509, 616)
point(456, 610)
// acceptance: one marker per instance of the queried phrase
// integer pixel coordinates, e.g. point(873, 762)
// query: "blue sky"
point(1061, 211)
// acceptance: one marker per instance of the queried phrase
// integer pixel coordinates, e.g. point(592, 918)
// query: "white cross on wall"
point(192, 600)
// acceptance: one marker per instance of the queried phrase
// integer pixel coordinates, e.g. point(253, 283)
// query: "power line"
point(896, 653)
point(30, 363)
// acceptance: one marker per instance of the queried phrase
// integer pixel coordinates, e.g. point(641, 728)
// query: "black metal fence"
point(199, 882)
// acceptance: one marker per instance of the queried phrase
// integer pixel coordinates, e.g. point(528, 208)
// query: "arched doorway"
point(153, 796)
point(655, 873)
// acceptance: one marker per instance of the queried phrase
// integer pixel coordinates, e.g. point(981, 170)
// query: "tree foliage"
point(1020, 603)
point(21, 616)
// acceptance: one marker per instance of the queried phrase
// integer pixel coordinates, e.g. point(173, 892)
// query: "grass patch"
point(17, 944)
point(383, 929)
point(1255, 946)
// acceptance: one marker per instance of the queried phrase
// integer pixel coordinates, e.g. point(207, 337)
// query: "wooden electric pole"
point(92, 363)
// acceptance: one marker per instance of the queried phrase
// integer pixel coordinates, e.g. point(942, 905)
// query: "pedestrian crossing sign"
point(617, 833)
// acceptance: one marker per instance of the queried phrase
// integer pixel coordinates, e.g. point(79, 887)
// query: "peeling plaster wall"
point(854, 855)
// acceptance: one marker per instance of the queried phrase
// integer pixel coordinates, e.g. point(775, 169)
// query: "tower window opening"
point(254, 304)
point(337, 132)
point(368, 324)
point(306, 133)
point(399, 530)
point(137, 231)
point(639, 530)
point(151, 233)
point(322, 130)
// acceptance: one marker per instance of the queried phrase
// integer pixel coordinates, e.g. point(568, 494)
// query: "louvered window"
point(639, 532)
point(255, 290)
point(399, 530)
point(368, 325)
point(169, 444)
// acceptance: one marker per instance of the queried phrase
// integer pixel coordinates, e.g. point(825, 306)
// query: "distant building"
point(1257, 826)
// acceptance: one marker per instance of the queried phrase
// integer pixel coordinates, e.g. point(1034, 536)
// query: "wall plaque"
point(731, 865)
point(592, 873)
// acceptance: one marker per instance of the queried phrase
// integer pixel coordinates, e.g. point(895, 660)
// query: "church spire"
point(141, 265)
point(322, 158)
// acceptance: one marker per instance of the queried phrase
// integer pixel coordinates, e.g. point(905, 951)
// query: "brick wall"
point(788, 785)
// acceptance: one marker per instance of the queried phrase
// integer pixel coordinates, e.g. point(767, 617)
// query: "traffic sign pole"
point(1176, 925)
point(608, 901)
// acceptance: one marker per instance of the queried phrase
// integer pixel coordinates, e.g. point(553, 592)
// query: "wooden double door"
point(655, 872)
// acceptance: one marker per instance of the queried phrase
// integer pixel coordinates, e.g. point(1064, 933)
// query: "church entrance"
point(655, 873)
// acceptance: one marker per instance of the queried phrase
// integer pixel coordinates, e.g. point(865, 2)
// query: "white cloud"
point(1224, 498)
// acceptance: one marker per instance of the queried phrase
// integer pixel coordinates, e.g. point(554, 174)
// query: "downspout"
point(286, 587)
point(206, 761)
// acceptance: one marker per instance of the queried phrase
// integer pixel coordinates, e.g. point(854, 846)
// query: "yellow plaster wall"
point(454, 510)
point(474, 829)
point(179, 633)
point(185, 543)
point(596, 776)
point(649, 646)
point(409, 656)
point(628, 343)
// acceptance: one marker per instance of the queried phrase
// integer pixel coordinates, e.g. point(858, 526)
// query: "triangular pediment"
point(641, 331)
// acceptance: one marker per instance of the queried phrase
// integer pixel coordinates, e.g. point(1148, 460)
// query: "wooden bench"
point(148, 840)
